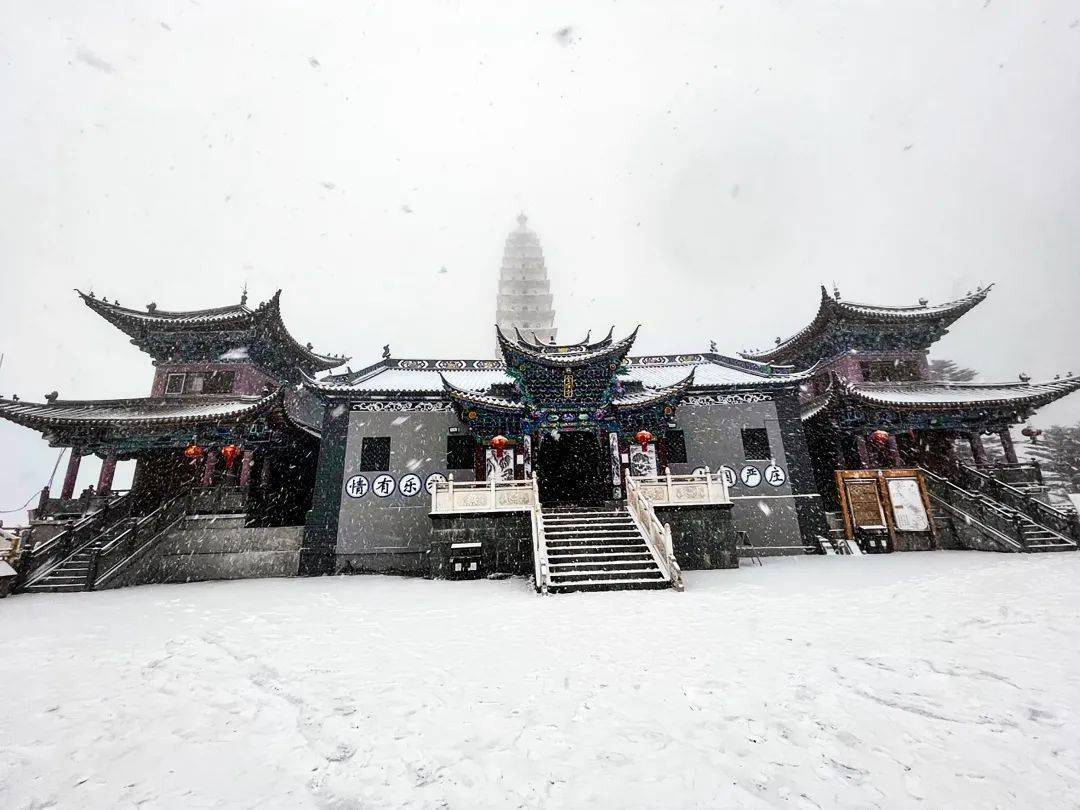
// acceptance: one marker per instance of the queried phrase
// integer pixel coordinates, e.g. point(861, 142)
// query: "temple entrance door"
point(568, 469)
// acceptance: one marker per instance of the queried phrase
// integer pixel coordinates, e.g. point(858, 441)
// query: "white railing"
point(683, 490)
point(451, 496)
point(657, 535)
point(540, 558)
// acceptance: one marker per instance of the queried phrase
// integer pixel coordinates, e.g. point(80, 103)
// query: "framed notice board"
point(887, 501)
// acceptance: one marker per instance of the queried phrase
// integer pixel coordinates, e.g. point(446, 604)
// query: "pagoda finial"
point(835, 291)
point(522, 219)
point(243, 296)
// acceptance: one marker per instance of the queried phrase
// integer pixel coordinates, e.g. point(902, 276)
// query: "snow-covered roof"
point(833, 308)
point(935, 394)
point(181, 410)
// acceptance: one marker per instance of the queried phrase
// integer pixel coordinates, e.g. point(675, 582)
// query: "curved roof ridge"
point(834, 306)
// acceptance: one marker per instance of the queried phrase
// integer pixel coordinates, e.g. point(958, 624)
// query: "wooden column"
point(245, 467)
point(74, 460)
point(209, 465)
point(1007, 446)
point(105, 477)
point(894, 452)
point(264, 474)
point(863, 451)
point(977, 449)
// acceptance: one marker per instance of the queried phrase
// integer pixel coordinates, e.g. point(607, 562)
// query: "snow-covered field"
point(922, 680)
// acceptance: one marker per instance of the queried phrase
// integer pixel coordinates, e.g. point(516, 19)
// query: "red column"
point(209, 465)
point(894, 452)
point(105, 477)
point(864, 452)
point(1007, 446)
point(72, 473)
point(245, 468)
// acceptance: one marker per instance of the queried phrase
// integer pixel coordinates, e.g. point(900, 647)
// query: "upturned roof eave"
point(830, 308)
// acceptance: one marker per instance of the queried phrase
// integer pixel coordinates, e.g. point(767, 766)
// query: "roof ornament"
point(835, 292)
point(778, 341)
point(151, 307)
point(308, 346)
point(386, 352)
point(712, 346)
point(1025, 377)
point(923, 302)
point(52, 396)
point(92, 294)
point(243, 296)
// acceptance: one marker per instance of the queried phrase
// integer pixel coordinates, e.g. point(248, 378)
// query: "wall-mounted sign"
point(909, 513)
point(775, 475)
point(409, 485)
point(433, 480)
point(356, 487)
point(730, 478)
point(750, 475)
point(384, 485)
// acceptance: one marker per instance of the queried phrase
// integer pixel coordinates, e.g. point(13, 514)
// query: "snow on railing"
point(678, 490)
point(451, 496)
point(657, 535)
point(540, 558)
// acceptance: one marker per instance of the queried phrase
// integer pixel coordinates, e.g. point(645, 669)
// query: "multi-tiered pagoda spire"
point(524, 301)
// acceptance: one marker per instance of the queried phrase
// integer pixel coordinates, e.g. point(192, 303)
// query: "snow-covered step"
point(595, 550)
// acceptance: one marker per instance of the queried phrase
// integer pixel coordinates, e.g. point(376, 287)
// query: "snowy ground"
point(921, 680)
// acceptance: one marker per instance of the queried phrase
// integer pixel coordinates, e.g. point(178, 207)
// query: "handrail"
point(716, 488)
point(1056, 519)
point(998, 535)
point(657, 535)
point(69, 542)
point(541, 568)
point(160, 521)
point(445, 500)
point(1004, 513)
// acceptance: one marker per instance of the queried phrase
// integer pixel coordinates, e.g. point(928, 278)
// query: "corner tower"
point(524, 300)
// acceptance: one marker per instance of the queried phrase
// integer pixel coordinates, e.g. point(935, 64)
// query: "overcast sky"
point(700, 168)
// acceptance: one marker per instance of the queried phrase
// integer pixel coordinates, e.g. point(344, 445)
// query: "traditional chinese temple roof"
point(841, 326)
point(950, 395)
point(418, 377)
point(932, 403)
point(569, 356)
point(221, 334)
point(648, 397)
point(142, 412)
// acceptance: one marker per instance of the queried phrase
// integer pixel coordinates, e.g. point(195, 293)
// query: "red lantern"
point(880, 438)
point(229, 453)
point(643, 437)
point(498, 444)
point(194, 453)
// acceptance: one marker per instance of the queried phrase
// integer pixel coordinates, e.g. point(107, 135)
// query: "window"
point(174, 384)
point(676, 447)
point(755, 442)
point(375, 454)
point(460, 452)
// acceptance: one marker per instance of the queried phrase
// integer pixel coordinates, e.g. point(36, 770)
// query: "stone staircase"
point(70, 575)
point(598, 549)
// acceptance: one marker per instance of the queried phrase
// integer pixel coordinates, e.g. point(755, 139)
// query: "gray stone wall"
point(713, 435)
point(505, 543)
point(200, 550)
point(392, 533)
point(703, 536)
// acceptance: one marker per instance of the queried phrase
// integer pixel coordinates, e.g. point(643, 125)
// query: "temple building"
point(581, 464)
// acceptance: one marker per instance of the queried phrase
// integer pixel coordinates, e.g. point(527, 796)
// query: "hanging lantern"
point(229, 452)
point(643, 437)
point(880, 438)
point(1032, 433)
point(194, 453)
point(498, 444)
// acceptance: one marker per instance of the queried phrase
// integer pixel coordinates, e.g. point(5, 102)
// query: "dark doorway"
point(568, 469)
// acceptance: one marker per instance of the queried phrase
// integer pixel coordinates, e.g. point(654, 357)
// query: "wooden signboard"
point(894, 502)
